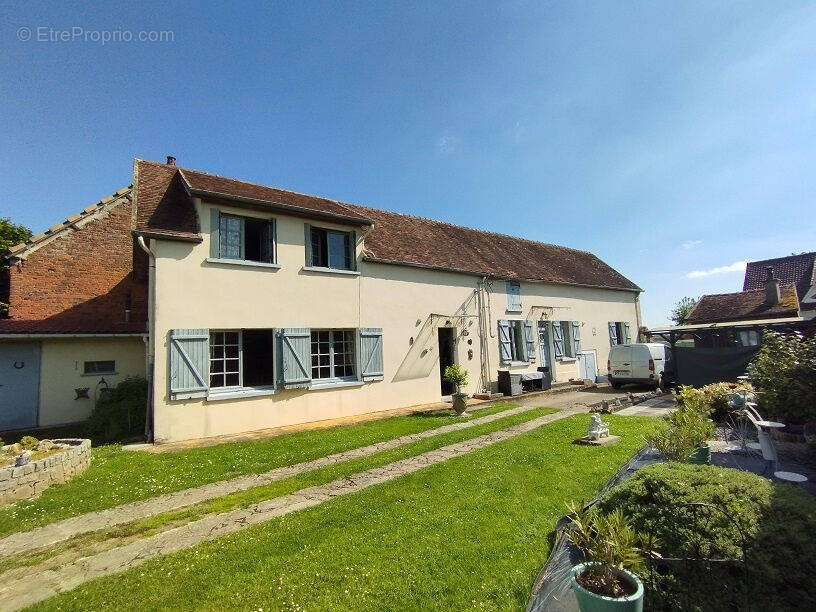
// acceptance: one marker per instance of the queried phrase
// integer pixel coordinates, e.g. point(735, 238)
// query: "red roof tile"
point(57, 326)
point(743, 306)
point(395, 238)
point(796, 269)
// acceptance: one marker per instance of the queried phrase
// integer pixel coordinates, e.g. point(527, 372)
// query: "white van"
point(648, 364)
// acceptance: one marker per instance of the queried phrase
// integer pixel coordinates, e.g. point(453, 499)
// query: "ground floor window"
point(332, 354)
point(518, 348)
point(99, 367)
point(619, 333)
point(242, 358)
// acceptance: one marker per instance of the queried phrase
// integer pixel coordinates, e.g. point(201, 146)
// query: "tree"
point(682, 309)
point(10, 234)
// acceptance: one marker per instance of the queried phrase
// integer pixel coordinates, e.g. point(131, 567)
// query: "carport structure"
point(719, 352)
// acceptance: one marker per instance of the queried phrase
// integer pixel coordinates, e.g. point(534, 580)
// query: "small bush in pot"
point(458, 377)
point(613, 552)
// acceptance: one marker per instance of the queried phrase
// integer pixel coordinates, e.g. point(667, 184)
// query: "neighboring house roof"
point(73, 327)
point(165, 210)
point(799, 270)
point(743, 305)
point(20, 251)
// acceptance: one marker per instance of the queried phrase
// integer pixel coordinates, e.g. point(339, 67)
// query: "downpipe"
point(150, 340)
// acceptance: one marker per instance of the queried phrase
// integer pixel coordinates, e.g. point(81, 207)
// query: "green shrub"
point(715, 397)
point(777, 519)
point(457, 376)
point(29, 442)
point(784, 376)
point(688, 429)
point(120, 413)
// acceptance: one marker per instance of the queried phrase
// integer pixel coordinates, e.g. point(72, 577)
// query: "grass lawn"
point(468, 533)
point(117, 477)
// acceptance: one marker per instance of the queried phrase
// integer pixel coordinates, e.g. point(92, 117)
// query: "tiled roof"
point(163, 206)
point(58, 326)
point(425, 242)
point(20, 250)
point(797, 269)
point(743, 306)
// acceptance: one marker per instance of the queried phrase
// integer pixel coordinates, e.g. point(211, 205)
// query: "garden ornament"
point(597, 428)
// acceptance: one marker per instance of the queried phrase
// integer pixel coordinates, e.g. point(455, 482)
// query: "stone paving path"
point(62, 530)
point(37, 584)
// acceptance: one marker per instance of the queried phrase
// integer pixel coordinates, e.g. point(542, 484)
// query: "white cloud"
point(446, 144)
point(737, 266)
point(691, 244)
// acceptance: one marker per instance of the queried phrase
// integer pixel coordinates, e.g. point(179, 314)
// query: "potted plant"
point(458, 377)
point(606, 580)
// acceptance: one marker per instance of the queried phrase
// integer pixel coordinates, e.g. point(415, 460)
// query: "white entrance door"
point(587, 365)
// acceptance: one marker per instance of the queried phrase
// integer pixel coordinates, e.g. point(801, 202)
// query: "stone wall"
point(27, 481)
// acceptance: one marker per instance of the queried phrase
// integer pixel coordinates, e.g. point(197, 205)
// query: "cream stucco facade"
point(409, 304)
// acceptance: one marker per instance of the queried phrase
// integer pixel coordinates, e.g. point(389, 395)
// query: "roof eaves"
point(299, 210)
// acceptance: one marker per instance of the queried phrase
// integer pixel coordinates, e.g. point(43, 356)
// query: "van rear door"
point(620, 361)
point(640, 361)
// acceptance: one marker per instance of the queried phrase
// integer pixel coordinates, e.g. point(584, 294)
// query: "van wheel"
point(617, 385)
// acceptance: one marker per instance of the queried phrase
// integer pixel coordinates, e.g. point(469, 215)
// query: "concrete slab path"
point(37, 584)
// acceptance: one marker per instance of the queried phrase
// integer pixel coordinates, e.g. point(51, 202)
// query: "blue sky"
point(667, 138)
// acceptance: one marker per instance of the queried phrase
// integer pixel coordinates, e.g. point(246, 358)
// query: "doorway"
point(588, 366)
point(446, 357)
point(19, 385)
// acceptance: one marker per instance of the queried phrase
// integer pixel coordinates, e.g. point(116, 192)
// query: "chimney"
point(772, 294)
point(171, 161)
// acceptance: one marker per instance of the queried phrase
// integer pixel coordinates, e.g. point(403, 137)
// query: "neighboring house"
point(250, 307)
point(797, 270)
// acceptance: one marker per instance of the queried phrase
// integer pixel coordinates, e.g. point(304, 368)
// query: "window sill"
point(567, 359)
point(335, 384)
point(243, 262)
point(214, 396)
point(514, 310)
point(320, 270)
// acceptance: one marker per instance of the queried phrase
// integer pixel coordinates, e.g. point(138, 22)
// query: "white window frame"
point(518, 341)
point(350, 254)
point(210, 360)
point(352, 344)
point(222, 257)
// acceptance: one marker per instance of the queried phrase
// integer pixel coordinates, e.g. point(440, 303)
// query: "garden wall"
point(27, 481)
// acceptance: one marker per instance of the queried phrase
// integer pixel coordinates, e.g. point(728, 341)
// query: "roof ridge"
point(761, 261)
point(18, 249)
point(781, 285)
point(355, 205)
point(229, 178)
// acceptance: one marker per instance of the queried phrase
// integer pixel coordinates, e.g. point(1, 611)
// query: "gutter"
point(150, 338)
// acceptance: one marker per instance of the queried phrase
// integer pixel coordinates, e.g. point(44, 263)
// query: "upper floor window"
point(244, 238)
point(513, 290)
point(619, 333)
point(330, 249)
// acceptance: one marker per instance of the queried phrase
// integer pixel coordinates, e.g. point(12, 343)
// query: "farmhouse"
point(248, 307)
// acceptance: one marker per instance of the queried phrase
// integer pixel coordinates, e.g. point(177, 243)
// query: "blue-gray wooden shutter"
point(529, 340)
point(513, 291)
point(558, 339)
point(295, 357)
point(308, 244)
point(627, 334)
point(613, 333)
point(371, 353)
point(352, 250)
point(576, 337)
point(189, 362)
point(215, 236)
point(505, 350)
point(544, 342)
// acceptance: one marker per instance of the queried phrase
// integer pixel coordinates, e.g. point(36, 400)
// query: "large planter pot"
point(459, 403)
point(701, 456)
point(592, 602)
